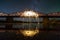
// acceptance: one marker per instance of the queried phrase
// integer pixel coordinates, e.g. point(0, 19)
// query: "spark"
point(29, 14)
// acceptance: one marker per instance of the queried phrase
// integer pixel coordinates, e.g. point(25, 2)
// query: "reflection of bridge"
point(9, 19)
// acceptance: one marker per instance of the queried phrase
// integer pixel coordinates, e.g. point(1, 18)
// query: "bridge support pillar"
point(46, 22)
point(9, 20)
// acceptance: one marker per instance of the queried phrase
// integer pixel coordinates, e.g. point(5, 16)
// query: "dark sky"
point(45, 6)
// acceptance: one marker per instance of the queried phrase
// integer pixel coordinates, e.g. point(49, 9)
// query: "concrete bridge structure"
point(9, 18)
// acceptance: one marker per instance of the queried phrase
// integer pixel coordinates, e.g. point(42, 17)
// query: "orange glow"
point(29, 33)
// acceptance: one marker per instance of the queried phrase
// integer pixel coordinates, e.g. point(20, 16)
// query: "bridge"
point(9, 19)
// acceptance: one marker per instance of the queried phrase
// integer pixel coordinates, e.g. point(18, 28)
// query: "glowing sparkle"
point(30, 14)
point(29, 33)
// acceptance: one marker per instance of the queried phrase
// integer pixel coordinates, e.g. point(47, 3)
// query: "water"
point(28, 25)
point(42, 35)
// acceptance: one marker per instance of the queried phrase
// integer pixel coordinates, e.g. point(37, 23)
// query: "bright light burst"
point(29, 14)
point(29, 33)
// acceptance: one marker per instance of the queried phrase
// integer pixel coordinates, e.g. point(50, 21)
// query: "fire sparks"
point(29, 14)
point(29, 33)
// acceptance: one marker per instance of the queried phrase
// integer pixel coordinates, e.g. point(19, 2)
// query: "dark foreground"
point(43, 35)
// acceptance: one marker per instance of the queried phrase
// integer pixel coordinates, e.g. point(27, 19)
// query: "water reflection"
point(28, 19)
point(29, 33)
point(28, 25)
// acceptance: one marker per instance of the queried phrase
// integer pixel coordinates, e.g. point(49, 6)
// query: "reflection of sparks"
point(29, 14)
point(29, 33)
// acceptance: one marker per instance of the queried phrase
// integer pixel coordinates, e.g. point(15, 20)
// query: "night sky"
point(45, 6)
